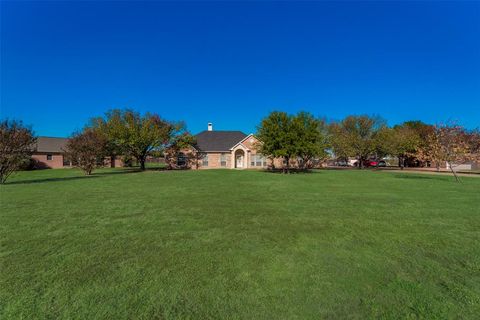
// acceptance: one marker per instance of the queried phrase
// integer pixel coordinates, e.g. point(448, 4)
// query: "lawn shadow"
point(163, 169)
point(113, 172)
point(51, 180)
point(292, 171)
point(417, 177)
point(92, 176)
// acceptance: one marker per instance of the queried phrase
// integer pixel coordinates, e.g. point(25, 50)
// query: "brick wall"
point(117, 163)
point(214, 161)
point(252, 144)
point(42, 162)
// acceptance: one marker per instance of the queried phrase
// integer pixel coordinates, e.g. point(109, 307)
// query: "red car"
point(372, 163)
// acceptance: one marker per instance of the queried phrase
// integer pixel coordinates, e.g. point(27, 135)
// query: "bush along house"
point(218, 149)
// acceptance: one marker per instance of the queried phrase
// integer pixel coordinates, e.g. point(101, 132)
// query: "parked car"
point(372, 163)
point(341, 163)
point(381, 163)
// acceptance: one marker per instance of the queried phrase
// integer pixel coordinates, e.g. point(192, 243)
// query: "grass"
point(239, 245)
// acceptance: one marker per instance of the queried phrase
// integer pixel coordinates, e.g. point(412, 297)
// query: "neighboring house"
point(221, 149)
point(49, 154)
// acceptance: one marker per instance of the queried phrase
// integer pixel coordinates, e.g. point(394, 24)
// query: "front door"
point(239, 160)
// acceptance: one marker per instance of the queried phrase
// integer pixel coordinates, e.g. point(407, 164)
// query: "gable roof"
point(218, 140)
point(49, 144)
point(241, 141)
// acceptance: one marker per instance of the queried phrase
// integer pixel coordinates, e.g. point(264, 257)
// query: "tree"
point(449, 143)
point(86, 150)
point(183, 145)
point(277, 137)
point(288, 136)
point(400, 141)
point(16, 147)
point(422, 130)
point(356, 136)
point(474, 144)
point(310, 139)
point(112, 150)
point(136, 135)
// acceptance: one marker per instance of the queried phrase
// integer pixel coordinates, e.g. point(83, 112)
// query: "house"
point(49, 153)
point(221, 149)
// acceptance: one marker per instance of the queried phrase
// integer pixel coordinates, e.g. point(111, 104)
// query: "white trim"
point(245, 153)
point(250, 135)
point(244, 158)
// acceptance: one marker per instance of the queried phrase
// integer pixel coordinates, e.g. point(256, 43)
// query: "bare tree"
point(474, 145)
point(449, 143)
point(16, 146)
point(87, 150)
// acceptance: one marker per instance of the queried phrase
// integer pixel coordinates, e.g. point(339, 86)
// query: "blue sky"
point(232, 63)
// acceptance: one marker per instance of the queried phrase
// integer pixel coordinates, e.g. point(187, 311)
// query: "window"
point(205, 161)
point(258, 160)
point(66, 162)
point(181, 159)
point(49, 157)
point(223, 160)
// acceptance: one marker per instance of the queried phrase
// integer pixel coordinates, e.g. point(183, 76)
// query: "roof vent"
point(210, 126)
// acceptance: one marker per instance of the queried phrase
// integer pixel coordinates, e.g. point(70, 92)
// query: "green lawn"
point(239, 245)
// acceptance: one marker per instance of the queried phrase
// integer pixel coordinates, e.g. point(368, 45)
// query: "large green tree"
point(401, 141)
point(356, 136)
point(292, 136)
point(135, 134)
point(310, 140)
point(276, 136)
point(422, 131)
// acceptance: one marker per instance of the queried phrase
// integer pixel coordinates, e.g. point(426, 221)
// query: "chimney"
point(210, 126)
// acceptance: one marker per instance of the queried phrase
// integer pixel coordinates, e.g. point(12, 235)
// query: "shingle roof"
point(49, 144)
point(218, 140)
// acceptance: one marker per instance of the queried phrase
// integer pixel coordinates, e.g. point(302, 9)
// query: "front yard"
point(229, 244)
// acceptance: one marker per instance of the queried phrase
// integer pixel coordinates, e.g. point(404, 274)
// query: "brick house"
point(221, 149)
point(49, 154)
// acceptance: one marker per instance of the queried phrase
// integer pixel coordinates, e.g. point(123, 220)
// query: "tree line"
point(301, 138)
point(119, 132)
